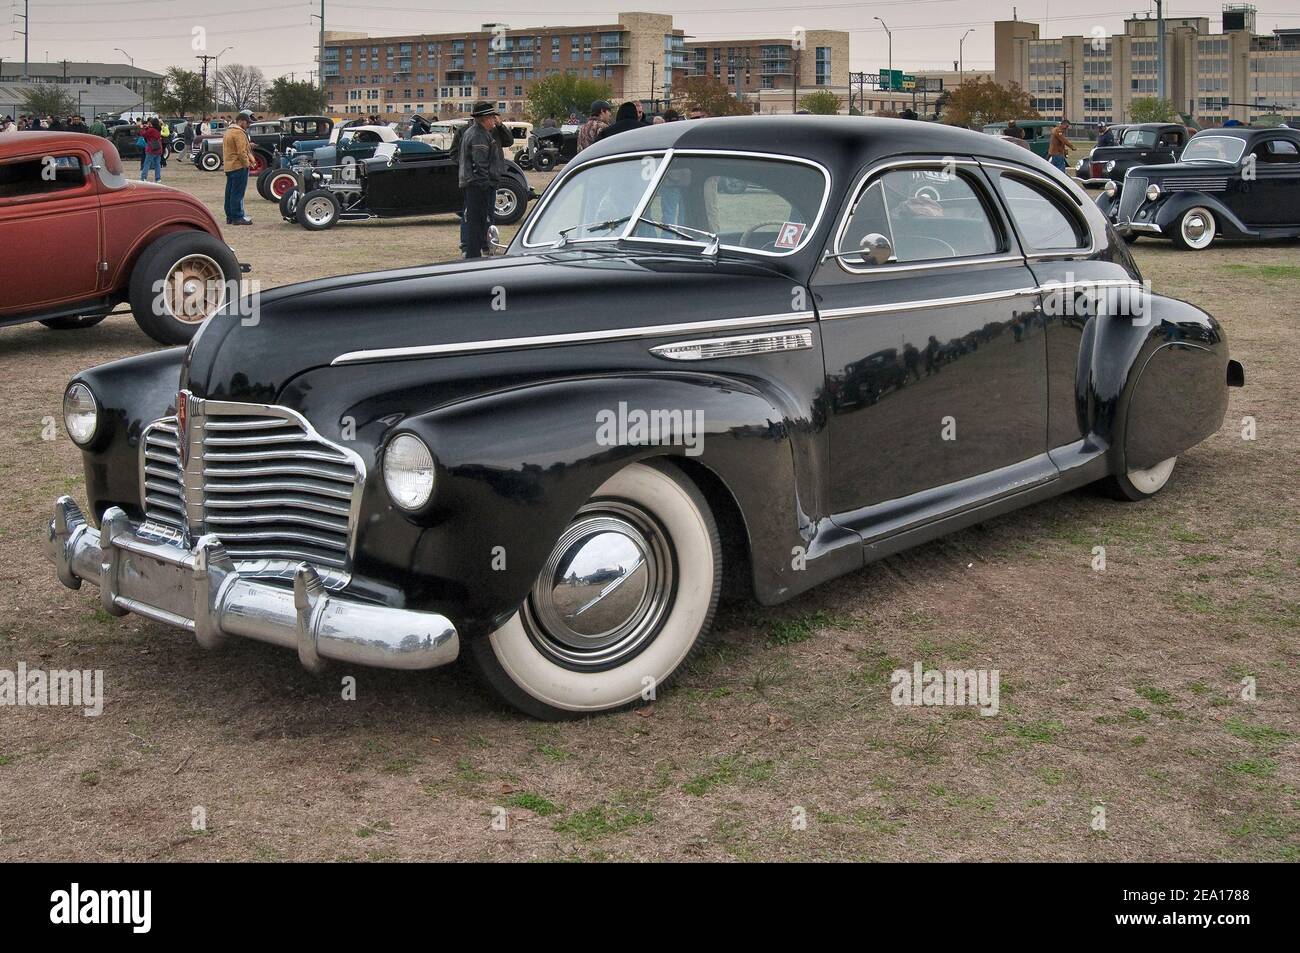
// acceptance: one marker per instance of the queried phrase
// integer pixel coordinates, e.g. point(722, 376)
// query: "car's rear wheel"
point(179, 146)
point(510, 203)
point(1140, 483)
point(318, 210)
point(545, 161)
point(278, 183)
point(261, 162)
point(73, 323)
point(179, 281)
point(210, 162)
point(1194, 230)
point(624, 599)
point(289, 205)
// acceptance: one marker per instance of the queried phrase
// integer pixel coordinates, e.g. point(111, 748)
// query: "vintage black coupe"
point(401, 179)
point(1147, 143)
point(1236, 182)
point(745, 354)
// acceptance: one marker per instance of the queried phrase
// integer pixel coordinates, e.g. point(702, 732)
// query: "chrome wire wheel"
point(602, 595)
point(505, 203)
point(1197, 228)
point(194, 289)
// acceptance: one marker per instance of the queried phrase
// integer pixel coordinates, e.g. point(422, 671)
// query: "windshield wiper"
point(685, 231)
point(594, 226)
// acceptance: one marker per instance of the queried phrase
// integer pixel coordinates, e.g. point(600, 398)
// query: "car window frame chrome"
point(667, 156)
point(1235, 163)
point(1014, 253)
point(1072, 201)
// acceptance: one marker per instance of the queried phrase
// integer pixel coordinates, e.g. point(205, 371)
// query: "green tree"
point(708, 94)
point(48, 99)
point(1150, 109)
point(181, 94)
point(978, 102)
point(289, 98)
point(822, 103)
point(560, 94)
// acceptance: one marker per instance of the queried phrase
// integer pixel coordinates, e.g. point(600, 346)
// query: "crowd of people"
point(29, 123)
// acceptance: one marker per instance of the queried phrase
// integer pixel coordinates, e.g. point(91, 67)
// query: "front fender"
point(132, 393)
point(1172, 208)
point(515, 466)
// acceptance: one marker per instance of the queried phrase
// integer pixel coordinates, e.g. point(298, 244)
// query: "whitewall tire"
point(1138, 484)
point(625, 598)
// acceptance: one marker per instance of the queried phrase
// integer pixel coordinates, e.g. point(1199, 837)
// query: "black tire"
point(1131, 237)
point(524, 160)
point(517, 210)
point(74, 323)
point(179, 146)
point(289, 205)
point(209, 161)
point(263, 178)
point(149, 295)
point(318, 210)
point(545, 161)
point(679, 541)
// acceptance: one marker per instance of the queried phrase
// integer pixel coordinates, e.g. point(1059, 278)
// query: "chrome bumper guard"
point(200, 590)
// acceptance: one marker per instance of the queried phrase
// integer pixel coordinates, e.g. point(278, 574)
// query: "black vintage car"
point(1147, 143)
point(1236, 182)
point(269, 138)
point(548, 147)
point(556, 460)
point(394, 183)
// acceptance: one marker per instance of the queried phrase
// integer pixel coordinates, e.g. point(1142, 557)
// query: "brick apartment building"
point(640, 55)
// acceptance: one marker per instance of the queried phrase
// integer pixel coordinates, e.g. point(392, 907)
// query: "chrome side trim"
point(711, 349)
point(577, 337)
point(860, 310)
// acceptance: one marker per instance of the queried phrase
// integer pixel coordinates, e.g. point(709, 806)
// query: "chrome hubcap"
point(602, 594)
point(319, 211)
point(1198, 228)
point(505, 203)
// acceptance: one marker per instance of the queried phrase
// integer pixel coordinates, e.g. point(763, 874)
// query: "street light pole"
point(961, 57)
point(890, 36)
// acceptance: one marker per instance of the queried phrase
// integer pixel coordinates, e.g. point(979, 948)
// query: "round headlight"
point(1110, 166)
point(408, 471)
point(80, 414)
point(1153, 192)
point(1112, 188)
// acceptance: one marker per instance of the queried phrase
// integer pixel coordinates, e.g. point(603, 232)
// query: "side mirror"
point(494, 240)
point(876, 248)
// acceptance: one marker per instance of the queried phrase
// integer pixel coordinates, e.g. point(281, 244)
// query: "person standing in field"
point(1059, 147)
point(237, 159)
point(152, 151)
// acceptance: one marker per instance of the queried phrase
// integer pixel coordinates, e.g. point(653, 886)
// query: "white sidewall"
point(1152, 479)
point(562, 688)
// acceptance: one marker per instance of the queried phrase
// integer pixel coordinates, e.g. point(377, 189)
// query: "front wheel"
point(210, 162)
point(1194, 229)
point(509, 203)
point(289, 205)
point(318, 210)
point(624, 599)
point(181, 280)
point(278, 182)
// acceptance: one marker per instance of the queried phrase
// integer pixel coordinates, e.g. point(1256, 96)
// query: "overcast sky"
point(280, 35)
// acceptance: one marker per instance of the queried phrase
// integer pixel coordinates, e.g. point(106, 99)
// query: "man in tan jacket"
point(1059, 147)
point(237, 158)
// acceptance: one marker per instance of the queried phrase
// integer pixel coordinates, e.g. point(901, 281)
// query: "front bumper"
point(200, 590)
point(1138, 228)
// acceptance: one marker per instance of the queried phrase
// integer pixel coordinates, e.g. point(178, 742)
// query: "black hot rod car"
point(1236, 182)
point(555, 460)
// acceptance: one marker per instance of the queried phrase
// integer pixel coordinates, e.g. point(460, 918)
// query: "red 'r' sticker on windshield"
point(790, 235)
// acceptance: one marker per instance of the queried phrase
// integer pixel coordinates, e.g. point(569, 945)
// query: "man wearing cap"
point(237, 159)
point(593, 127)
point(482, 163)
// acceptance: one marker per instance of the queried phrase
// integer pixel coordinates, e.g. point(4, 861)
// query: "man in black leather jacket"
point(482, 163)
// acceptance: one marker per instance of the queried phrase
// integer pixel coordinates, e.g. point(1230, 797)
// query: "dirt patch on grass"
point(1120, 690)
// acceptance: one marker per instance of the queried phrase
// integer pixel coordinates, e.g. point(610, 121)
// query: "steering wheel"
point(749, 234)
point(914, 239)
point(927, 192)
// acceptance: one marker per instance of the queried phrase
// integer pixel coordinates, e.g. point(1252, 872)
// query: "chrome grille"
point(1131, 196)
point(258, 477)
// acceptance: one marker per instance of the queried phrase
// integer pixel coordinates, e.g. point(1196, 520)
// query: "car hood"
point(250, 352)
point(1199, 170)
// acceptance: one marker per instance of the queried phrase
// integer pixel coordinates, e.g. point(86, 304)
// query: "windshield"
point(1214, 149)
point(757, 204)
point(1144, 138)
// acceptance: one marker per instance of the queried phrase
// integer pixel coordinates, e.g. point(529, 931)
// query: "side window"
point(1043, 220)
point(1281, 150)
point(44, 176)
point(926, 214)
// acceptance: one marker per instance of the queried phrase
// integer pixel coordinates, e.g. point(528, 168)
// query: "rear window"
point(42, 176)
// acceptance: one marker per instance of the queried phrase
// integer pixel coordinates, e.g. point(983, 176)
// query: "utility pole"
point(320, 49)
point(1160, 49)
point(961, 58)
point(654, 103)
point(203, 107)
point(1065, 85)
point(27, 32)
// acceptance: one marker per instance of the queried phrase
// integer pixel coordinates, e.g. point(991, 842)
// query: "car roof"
point(53, 141)
point(1249, 132)
point(830, 140)
point(1154, 125)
